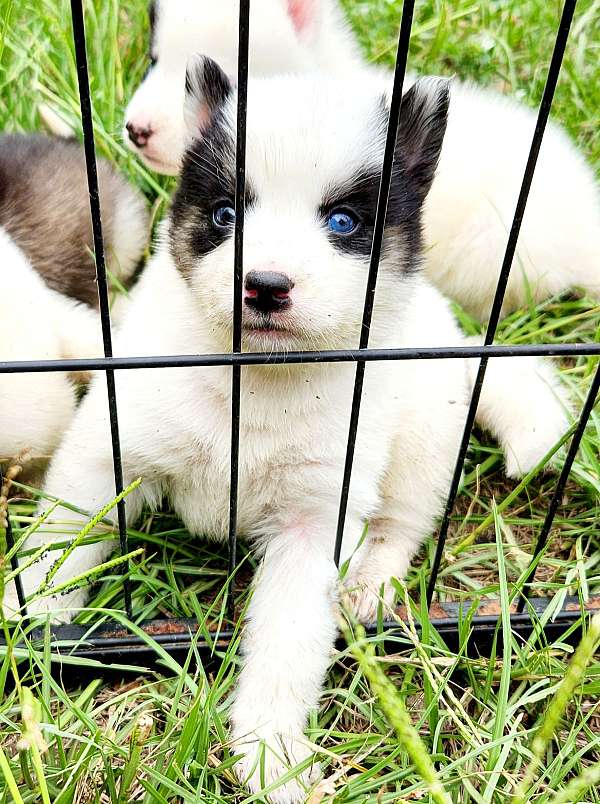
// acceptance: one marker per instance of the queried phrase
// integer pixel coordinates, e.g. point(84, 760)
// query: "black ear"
point(423, 118)
point(207, 88)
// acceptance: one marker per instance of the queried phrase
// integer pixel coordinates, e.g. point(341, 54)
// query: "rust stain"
point(493, 607)
point(166, 627)
point(436, 612)
point(592, 603)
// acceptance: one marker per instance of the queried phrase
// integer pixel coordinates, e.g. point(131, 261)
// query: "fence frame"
point(111, 642)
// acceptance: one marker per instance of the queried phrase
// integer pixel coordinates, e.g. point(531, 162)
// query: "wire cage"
point(111, 642)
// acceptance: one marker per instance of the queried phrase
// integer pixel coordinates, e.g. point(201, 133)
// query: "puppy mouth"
point(269, 327)
point(158, 164)
point(153, 162)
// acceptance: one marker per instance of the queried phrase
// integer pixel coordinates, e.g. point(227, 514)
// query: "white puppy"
point(314, 154)
point(48, 278)
point(285, 36)
point(468, 213)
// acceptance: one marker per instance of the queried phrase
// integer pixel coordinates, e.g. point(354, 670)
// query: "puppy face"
point(314, 156)
point(280, 35)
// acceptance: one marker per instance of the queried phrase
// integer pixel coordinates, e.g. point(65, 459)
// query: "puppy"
point(48, 295)
point(469, 211)
point(45, 208)
point(285, 36)
point(314, 155)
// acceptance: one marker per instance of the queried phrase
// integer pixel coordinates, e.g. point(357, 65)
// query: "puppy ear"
point(303, 14)
point(207, 88)
point(421, 130)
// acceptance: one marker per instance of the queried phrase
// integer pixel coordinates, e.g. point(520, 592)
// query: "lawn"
point(162, 735)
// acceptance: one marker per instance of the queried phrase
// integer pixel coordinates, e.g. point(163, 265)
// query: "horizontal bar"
point(288, 358)
point(112, 643)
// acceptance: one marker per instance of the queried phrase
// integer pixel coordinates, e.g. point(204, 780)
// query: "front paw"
point(61, 608)
point(366, 596)
point(264, 761)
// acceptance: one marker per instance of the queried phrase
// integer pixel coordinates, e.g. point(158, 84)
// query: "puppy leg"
point(407, 517)
point(524, 406)
point(82, 473)
point(287, 644)
point(413, 491)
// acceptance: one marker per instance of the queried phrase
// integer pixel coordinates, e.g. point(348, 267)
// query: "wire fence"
point(103, 643)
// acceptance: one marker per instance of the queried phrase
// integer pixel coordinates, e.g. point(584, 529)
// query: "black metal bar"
point(10, 543)
point(92, 177)
point(584, 416)
point(110, 643)
point(278, 358)
point(238, 280)
point(542, 119)
point(378, 231)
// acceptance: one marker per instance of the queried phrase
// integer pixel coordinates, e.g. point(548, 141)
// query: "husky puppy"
point(48, 289)
point(469, 211)
point(314, 155)
point(285, 36)
point(44, 207)
point(38, 323)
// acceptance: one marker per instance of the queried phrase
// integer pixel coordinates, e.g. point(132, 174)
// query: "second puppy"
point(48, 292)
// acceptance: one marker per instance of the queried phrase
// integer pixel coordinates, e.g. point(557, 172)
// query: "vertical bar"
point(542, 119)
point(238, 278)
point(586, 412)
point(10, 543)
point(378, 230)
point(92, 176)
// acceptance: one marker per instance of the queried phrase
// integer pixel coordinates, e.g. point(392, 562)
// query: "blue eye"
point(224, 216)
point(342, 221)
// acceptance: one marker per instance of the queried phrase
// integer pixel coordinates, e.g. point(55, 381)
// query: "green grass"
point(476, 717)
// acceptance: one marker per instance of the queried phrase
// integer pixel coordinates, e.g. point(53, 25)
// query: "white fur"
point(130, 233)
point(186, 27)
point(470, 208)
point(37, 324)
point(175, 423)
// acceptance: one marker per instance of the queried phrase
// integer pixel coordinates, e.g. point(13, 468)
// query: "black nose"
point(138, 136)
point(267, 291)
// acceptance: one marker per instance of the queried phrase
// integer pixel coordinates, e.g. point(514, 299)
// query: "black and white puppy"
point(469, 211)
point(314, 155)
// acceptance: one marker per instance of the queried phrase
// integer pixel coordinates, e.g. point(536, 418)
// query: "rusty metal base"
point(114, 647)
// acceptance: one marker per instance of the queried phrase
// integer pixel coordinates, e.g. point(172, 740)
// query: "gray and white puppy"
point(48, 293)
point(44, 208)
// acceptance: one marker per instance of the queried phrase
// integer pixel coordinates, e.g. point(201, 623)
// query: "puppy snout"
point(267, 291)
point(139, 135)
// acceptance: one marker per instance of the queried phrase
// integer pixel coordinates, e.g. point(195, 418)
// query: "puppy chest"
point(277, 469)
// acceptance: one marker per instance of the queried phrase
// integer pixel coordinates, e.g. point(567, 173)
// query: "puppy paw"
point(264, 761)
point(61, 608)
point(365, 596)
point(524, 453)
